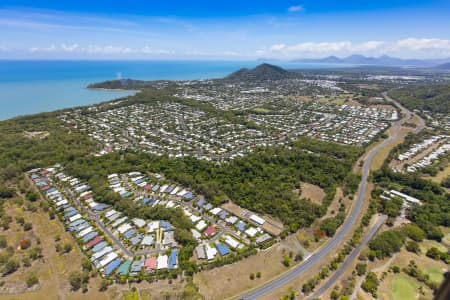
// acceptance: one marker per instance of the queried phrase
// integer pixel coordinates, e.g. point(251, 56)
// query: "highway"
point(333, 243)
point(343, 267)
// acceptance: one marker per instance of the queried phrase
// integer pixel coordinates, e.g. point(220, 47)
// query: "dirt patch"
point(36, 134)
point(312, 192)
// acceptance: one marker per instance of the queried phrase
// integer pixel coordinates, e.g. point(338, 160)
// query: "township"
point(120, 245)
point(267, 115)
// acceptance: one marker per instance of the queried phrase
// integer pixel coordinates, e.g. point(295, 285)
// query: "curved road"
point(345, 228)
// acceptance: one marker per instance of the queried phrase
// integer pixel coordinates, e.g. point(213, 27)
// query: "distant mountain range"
point(443, 67)
point(384, 60)
point(261, 72)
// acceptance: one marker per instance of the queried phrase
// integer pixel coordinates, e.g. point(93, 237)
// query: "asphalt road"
point(343, 267)
point(349, 222)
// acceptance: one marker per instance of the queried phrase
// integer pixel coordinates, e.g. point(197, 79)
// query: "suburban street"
point(332, 245)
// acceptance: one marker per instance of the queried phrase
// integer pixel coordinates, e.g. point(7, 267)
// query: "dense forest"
point(431, 97)
point(435, 208)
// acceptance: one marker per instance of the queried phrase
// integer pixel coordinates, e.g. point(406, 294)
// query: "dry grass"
point(230, 280)
point(312, 192)
point(381, 156)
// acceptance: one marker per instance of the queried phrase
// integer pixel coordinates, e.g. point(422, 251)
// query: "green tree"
point(361, 269)
point(75, 280)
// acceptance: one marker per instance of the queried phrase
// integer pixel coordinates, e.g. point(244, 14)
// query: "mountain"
point(260, 73)
point(384, 60)
point(443, 67)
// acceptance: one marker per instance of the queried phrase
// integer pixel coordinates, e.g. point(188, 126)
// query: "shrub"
point(32, 279)
point(75, 280)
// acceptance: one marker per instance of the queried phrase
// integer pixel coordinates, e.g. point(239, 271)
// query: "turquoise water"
point(28, 87)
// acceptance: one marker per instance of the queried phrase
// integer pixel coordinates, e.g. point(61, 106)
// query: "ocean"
point(29, 87)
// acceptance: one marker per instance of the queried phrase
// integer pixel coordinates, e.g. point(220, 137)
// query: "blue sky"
point(232, 30)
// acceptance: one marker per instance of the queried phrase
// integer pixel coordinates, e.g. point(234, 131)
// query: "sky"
point(223, 30)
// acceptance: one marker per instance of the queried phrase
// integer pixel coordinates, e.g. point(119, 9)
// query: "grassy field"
point(435, 274)
point(427, 244)
point(441, 175)
point(400, 286)
point(261, 110)
point(403, 287)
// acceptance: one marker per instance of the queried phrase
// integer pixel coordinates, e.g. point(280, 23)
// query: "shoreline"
point(112, 90)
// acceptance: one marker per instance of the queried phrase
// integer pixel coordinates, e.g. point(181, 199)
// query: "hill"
point(383, 60)
point(431, 97)
point(260, 73)
point(443, 67)
point(119, 84)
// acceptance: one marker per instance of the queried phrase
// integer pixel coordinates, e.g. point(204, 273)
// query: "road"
point(99, 223)
point(349, 222)
point(343, 267)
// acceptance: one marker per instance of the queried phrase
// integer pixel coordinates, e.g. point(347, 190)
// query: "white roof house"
point(108, 258)
point(85, 231)
point(251, 231)
point(124, 228)
point(215, 210)
point(162, 262)
point(231, 219)
point(257, 220)
point(74, 218)
point(405, 197)
point(211, 252)
point(195, 218)
point(152, 226)
point(231, 242)
point(201, 225)
point(138, 222)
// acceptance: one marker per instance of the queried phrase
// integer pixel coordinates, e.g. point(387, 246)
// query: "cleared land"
point(229, 280)
point(312, 192)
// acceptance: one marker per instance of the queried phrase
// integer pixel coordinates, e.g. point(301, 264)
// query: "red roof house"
point(150, 263)
point(94, 241)
point(210, 231)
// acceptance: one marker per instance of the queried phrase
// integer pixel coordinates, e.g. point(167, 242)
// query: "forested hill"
point(261, 73)
point(430, 97)
point(126, 84)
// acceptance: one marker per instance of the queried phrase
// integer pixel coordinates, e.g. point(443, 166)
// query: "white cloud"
point(95, 49)
point(52, 48)
point(150, 50)
point(295, 8)
point(277, 47)
point(69, 48)
point(98, 49)
point(370, 45)
point(422, 44)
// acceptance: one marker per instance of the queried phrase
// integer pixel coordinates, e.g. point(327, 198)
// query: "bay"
point(29, 87)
